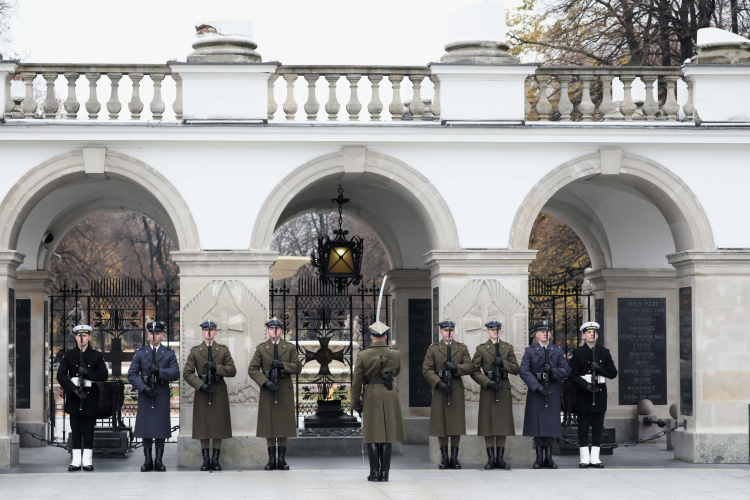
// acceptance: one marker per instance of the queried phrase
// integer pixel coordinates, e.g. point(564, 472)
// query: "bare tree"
point(562, 257)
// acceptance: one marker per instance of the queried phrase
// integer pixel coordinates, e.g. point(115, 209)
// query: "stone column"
point(408, 285)
point(610, 285)
point(9, 440)
point(474, 287)
point(231, 289)
point(714, 390)
point(35, 286)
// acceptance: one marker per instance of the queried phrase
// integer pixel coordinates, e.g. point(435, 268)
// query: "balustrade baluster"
point(177, 104)
point(628, 107)
point(93, 106)
point(28, 106)
point(113, 105)
point(71, 103)
point(135, 105)
point(50, 102)
point(670, 107)
point(416, 108)
point(376, 106)
point(157, 104)
point(8, 111)
point(354, 106)
point(543, 106)
point(564, 107)
point(290, 105)
point(332, 106)
point(688, 108)
point(397, 106)
point(650, 106)
point(526, 103)
point(272, 106)
point(436, 101)
point(312, 106)
point(607, 107)
point(587, 107)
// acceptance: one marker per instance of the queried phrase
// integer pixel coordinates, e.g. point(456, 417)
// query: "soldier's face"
point(494, 333)
point(590, 335)
point(448, 334)
point(209, 335)
point(274, 333)
point(82, 339)
point(543, 336)
point(155, 337)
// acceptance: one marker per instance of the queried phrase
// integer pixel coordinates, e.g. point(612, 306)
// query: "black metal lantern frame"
point(339, 260)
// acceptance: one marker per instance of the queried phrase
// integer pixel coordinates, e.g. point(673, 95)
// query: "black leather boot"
point(539, 458)
point(490, 459)
point(443, 458)
point(148, 465)
point(373, 452)
point(215, 465)
point(548, 462)
point(385, 460)
point(271, 465)
point(454, 464)
point(158, 464)
point(206, 460)
point(281, 464)
point(500, 462)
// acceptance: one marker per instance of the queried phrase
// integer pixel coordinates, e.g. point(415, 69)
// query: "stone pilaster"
point(720, 291)
point(231, 289)
point(36, 287)
point(9, 441)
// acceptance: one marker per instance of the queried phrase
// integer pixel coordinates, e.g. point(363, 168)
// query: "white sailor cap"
point(83, 328)
point(591, 325)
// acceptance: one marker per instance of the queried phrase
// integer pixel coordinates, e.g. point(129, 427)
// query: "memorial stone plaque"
point(23, 353)
point(599, 316)
point(435, 314)
point(642, 345)
point(686, 351)
point(12, 354)
point(420, 338)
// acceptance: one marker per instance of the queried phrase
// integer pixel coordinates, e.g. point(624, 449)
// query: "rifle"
point(151, 376)
point(80, 377)
point(497, 370)
point(446, 376)
point(593, 374)
point(210, 376)
point(546, 375)
point(275, 372)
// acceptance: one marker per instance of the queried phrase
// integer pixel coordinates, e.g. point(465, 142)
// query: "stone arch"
point(410, 185)
point(146, 192)
point(689, 226)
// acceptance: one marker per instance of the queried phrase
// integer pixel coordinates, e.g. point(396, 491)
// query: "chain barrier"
point(131, 446)
point(682, 425)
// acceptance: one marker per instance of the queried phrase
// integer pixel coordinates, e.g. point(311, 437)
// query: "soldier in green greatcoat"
point(493, 361)
point(382, 424)
point(447, 413)
point(272, 367)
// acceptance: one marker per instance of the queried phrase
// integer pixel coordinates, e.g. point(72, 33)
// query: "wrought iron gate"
point(565, 306)
point(117, 309)
point(327, 328)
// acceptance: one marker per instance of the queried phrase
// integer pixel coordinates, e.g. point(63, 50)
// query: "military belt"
point(376, 381)
point(491, 375)
point(217, 378)
point(269, 374)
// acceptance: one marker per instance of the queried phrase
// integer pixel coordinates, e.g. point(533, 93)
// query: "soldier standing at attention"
point(590, 365)
point(543, 368)
point(273, 363)
point(493, 361)
point(447, 413)
point(210, 421)
point(77, 374)
point(382, 424)
point(153, 420)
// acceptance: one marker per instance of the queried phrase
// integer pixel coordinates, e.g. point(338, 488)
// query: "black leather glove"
point(155, 369)
point(80, 393)
point(270, 385)
point(82, 371)
point(595, 366)
point(210, 366)
point(494, 385)
point(360, 409)
point(498, 362)
point(592, 388)
point(444, 387)
point(543, 390)
point(148, 391)
point(451, 367)
point(277, 363)
point(208, 388)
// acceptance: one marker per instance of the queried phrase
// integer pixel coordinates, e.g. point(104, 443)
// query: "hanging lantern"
point(339, 260)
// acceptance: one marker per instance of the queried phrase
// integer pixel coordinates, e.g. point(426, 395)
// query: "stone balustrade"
point(76, 75)
point(418, 108)
point(565, 81)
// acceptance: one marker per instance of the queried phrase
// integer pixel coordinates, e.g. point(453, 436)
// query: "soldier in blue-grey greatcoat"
point(153, 421)
point(543, 373)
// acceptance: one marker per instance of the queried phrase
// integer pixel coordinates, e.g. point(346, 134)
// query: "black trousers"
point(82, 431)
point(596, 422)
point(148, 442)
point(544, 441)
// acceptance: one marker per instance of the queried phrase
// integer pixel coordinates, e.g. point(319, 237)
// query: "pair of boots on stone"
point(590, 459)
point(210, 462)
point(445, 462)
point(544, 458)
point(82, 459)
point(151, 463)
point(380, 461)
point(496, 461)
point(273, 463)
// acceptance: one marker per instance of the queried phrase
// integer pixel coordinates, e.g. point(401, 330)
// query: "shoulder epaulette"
point(169, 348)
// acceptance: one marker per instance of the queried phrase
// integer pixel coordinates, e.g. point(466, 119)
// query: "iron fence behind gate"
point(564, 305)
point(118, 310)
point(328, 327)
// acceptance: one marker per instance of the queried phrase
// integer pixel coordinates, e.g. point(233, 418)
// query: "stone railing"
point(416, 108)
point(564, 81)
point(79, 75)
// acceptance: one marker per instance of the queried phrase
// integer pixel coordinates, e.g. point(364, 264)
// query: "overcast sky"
point(387, 32)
